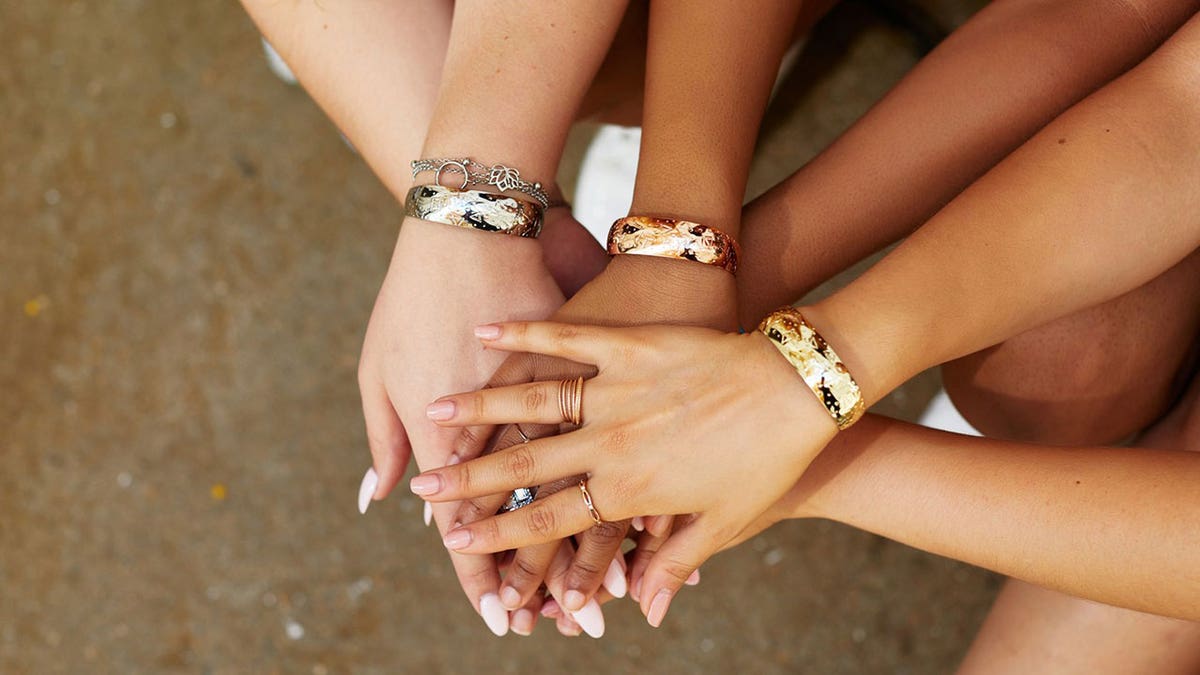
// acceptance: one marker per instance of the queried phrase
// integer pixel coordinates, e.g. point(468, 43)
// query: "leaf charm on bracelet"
point(504, 178)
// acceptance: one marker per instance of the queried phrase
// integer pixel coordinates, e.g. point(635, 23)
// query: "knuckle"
point(466, 443)
point(473, 510)
point(477, 404)
point(586, 569)
point(519, 464)
point(534, 399)
point(522, 570)
point(565, 333)
point(676, 570)
point(541, 521)
point(617, 440)
point(607, 533)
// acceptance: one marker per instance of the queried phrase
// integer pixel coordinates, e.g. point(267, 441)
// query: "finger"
point(525, 574)
point(639, 560)
point(532, 402)
point(534, 463)
point(589, 617)
point(471, 442)
point(479, 576)
point(525, 618)
point(560, 515)
point(659, 526)
point(478, 508)
point(390, 449)
point(672, 566)
point(582, 344)
point(596, 553)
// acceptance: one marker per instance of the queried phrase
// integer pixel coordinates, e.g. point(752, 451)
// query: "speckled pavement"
point(189, 254)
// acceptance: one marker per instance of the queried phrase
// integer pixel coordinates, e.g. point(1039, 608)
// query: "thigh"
point(1095, 377)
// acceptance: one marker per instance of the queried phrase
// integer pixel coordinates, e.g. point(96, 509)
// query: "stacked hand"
point(676, 421)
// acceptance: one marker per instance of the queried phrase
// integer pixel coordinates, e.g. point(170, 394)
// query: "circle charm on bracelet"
point(587, 501)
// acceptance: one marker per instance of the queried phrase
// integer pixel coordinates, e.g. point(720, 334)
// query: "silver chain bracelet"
point(502, 177)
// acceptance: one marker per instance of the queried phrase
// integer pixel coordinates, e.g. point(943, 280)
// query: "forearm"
point(989, 86)
point(372, 65)
point(1099, 202)
point(514, 77)
point(708, 77)
point(1116, 525)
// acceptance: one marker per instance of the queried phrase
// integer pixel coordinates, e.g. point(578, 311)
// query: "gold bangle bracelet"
point(817, 363)
point(474, 209)
point(670, 238)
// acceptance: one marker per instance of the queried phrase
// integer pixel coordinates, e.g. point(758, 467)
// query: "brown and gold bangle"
point(474, 209)
point(670, 238)
point(817, 363)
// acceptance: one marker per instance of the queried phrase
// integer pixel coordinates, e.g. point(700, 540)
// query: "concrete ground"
point(189, 254)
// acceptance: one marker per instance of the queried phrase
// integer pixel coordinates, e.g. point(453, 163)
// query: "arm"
point(709, 74)
point(1097, 203)
point(1116, 525)
point(986, 89)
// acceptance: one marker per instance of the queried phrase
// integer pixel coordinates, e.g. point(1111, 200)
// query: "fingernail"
point(510, 598)
point(425, 484)
point(636, 591)
point(366, 489)
point(658, 608)
point(440, 411)
point(488, 332)
point(428, 513)
point(493, 614)
point(550, 609)
point(638, 523)
point(573, 601)
point(457, 539)
point(590, 618)
point(693, 578)
point(454, 459)
point(614, 579)
point(522, 622)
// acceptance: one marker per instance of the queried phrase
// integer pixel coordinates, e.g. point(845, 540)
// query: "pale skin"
point(1128, 141)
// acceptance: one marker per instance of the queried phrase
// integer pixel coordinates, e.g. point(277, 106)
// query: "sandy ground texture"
point(189, 254)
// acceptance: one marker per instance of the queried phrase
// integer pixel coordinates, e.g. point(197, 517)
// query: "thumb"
point(671, 567)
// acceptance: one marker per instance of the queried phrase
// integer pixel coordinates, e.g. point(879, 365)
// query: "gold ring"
point(587, 501)
point(570, 400)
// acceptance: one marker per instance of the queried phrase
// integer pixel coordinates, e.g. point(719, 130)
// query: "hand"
point(442, 281)
point(631, 290)
point(678, 421)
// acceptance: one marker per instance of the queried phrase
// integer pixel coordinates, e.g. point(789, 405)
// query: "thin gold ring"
point(524, 438)
point(587, 501)
point(570, 400)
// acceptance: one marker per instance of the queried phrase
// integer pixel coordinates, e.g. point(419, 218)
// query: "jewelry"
point(503, 177)
point(570, 400)
point(670, 238)
point(817, 363)
point(473, 209)
point(521, 496)
point(587, 501)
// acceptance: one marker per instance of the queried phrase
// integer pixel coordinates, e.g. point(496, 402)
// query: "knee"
point(1059, 389)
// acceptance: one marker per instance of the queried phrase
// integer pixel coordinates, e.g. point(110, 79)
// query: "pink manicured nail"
point(614, 579)
point(510, 598)
point(493, 614)
point(440, 411)
point(658, 608)
point(428, 513)
point(522, 622)
point(425, 484)
point(366, 489)
point(550, 609)
point(573, 601)
point(638, 523)
point(488, 332)
point(590, 619)
point(457, 539)
point(693, 578)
